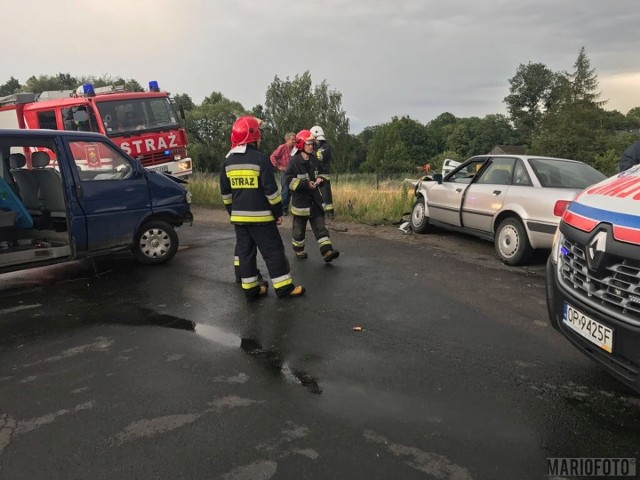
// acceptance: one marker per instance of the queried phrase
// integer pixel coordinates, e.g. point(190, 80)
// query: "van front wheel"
point(156, 242)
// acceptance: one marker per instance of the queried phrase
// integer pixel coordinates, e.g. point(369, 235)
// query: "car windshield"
point(565, 174)
point(131, 116)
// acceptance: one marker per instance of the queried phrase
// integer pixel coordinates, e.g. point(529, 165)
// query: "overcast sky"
point(402, 57)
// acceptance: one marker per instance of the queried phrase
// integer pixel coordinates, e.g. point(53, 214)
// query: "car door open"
point(486, 195)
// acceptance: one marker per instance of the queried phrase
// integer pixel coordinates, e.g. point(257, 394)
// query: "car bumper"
point(624, 361)
point(177, 168)
point(186, 217)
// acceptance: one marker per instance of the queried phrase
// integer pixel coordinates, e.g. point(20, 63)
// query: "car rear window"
point(565, 174)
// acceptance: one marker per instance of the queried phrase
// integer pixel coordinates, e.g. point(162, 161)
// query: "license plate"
point(161, 168)
point(595, 332)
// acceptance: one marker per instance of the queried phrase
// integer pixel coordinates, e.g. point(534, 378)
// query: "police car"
point(593, 275)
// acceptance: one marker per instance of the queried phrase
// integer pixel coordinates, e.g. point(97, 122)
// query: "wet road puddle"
point(273, 362)
point(270, 359)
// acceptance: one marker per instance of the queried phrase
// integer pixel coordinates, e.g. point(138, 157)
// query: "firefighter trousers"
point(318, 226)
point(327, 197)
point(266, 238)
point(236, 267)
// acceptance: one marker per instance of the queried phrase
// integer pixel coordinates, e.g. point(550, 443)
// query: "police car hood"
point(615, 201)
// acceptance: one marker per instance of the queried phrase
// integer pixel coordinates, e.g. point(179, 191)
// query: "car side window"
point(498, 172)
point(520, 175)
point(98, 161)
point(466, 173)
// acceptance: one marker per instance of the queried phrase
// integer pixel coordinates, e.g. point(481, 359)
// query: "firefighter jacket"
point(298, 175)
point(323, 153)
point(249, 189)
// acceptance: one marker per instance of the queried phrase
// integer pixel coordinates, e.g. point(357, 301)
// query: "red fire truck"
point(143, 124)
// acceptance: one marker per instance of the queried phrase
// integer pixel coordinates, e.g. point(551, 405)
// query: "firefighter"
point(323, 154)
point(306, 201)
point(252, 198)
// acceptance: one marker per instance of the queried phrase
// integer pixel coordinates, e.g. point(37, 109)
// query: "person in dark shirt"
point(630, 157)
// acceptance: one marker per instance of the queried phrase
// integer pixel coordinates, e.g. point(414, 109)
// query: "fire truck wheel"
point(156, 242)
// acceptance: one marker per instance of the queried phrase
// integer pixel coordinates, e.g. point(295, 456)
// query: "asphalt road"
point(120, 371)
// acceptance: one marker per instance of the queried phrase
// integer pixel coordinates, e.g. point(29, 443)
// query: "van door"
point(111, 196)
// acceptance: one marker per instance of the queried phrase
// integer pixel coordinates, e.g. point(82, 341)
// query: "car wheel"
point(419, 219)
point(512, 243)
point(156, 242)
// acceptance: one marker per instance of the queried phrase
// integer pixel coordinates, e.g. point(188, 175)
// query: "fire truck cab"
point(144, 124)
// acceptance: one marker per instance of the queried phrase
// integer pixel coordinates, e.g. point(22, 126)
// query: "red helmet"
point(303, 136)
point(245, 130)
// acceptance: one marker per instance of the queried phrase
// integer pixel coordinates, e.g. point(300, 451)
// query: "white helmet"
point(318, 132)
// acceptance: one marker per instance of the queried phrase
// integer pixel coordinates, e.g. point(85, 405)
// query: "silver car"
point(514, 200)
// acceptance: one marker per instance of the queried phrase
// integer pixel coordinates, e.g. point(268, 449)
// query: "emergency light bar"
point(153, 86)
point(88, 90)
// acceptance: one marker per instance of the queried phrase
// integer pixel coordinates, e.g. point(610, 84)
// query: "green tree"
point(294, 105)
point(361, 148)
point(534, 90)
point(130, 85)
point(578, 127)
point(461, 138)
point(398, 146)
point(439, 130)
point(437, 161)
point(477, 136)
point(183, 100)
point(10, 87)
point(634, 116)
point(209, 126)
point(43, 83)
point(584, 81)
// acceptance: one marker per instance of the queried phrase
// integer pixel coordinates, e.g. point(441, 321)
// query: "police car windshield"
point(122, 117)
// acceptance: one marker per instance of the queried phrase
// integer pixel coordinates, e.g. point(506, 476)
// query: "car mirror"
point(437, 177)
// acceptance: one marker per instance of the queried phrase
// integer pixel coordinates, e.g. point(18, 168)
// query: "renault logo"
point(596, 250)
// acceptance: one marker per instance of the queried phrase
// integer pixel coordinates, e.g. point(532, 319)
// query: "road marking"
point(20, 307)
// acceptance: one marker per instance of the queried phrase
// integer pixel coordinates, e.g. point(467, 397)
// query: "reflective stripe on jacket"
point(298, 175)
point(249, 189)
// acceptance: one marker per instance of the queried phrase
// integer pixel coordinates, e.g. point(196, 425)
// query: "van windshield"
point(122, 117)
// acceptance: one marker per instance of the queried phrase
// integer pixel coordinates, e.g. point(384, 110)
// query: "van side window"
point(98, 161)
point(47, 120)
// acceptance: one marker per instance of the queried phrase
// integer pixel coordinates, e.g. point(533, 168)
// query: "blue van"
point(70, 195)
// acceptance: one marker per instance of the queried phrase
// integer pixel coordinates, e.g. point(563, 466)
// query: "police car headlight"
point(187, 197)
point(557, 246)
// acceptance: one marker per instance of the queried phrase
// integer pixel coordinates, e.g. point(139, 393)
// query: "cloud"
point(408, 57)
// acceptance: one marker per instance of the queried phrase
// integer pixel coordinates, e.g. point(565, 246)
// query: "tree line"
point(549, 113)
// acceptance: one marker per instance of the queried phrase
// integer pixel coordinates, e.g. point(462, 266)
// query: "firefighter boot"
point(260, 292)
point(297, 291)
point(301, 255)
point(330, 255)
